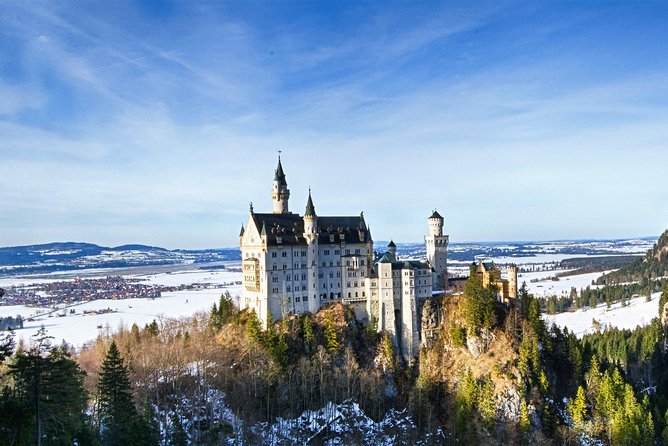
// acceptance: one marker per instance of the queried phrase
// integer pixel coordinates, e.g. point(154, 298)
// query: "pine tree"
point(118, 415)
point(577, 408)
point(309, 339)
point(48, 385)
point(525, 421)
point(331, 339)
point(176, 435)
point(215, 323)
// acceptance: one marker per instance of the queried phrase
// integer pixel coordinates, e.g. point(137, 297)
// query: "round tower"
point(280, 193)
point(311, 237)
point(436, 245)
point(435, 224)
point(512, 281)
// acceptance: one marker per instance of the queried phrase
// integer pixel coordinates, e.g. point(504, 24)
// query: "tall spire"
point(280, 175)
point(310, 209)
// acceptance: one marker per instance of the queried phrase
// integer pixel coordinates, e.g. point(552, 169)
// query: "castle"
point(490, 275)
point(293, 264)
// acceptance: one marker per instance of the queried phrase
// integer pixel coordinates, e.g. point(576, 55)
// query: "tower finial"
point(251, 206)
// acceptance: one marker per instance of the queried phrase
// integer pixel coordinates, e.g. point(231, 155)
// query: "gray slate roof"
point(290, 229)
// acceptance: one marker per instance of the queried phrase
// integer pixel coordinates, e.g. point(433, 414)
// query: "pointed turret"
point(392, 249)
point(279, 174)
point(310, 220)
point(280, 193)
point(241, 233)
point(310, 209)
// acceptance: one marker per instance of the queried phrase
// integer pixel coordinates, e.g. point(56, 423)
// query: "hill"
point(64, 256)
point(652, 266)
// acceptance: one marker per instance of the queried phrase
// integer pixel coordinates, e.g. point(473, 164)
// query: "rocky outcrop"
point(430, 321)
point(477, 345)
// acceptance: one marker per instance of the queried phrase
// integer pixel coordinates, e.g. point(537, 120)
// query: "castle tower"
point(280, 193)
point(392, 249)
point(437, 250)
point(512, 281)
point(386, 320)
point(311, 236)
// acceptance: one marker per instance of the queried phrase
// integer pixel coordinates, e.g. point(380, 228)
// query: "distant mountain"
point(63, 256)
point(67, 256)
point(652, 265)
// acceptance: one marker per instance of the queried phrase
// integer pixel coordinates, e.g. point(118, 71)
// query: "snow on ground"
point(78, 328)
point(188, 277)
point(561, 287)
point(638, 312)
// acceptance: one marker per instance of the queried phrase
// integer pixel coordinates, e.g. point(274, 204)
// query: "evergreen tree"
point(309, 339)
point(577, 409)
point(118, 415)
point(525, 421)
point(215, 323)
point(254, 328)
point(176, 435)
point(331, 339)
point(48, 385)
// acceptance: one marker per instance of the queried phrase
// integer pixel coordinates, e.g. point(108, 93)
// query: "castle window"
point(303, 253)
point(296, 265)
point(355, 283)
point(337, 252)
point(348, 284)
point(338, 295)
point(347, 262)
point(288, 288)
point(319, 275)
point(363, 274)
point(347, 251)
point(362, 262)
point(289, 278)
point(363, 293)
point(274, 290)
point(331, 263)
point(273, 255)
point(274, 279)
point(331, 296)
point(348, 294)
point(303, 265)
point(338, 274)
point(284, 254)
point(285, 266)
point(303, 276)
point(326, 252)
point(324, 286)
point(297, 299)
point(324, 264)
point(274, 267)
point(303, 287)
point(357, 251)
point(356, 295)
point(296, 254)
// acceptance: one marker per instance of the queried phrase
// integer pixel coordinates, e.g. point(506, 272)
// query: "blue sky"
point(157, 122)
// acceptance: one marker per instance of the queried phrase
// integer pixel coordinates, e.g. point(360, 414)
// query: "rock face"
point(430, 321)
point(477, 345)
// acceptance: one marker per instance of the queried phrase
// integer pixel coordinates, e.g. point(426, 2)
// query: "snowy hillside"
point(637, 312)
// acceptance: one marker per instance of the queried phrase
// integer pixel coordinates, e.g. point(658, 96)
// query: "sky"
point(158, 122)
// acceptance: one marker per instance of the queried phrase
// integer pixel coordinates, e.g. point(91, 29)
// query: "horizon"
point(161, 121)
point(466, 242)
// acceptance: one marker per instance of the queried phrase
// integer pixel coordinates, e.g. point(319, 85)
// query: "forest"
point(492, 373)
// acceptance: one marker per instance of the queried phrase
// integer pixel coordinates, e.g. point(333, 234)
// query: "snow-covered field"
point(561, 287)
point(188, 277)
point(77, 329)
point(637, 312)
